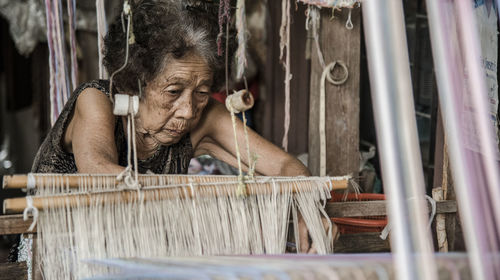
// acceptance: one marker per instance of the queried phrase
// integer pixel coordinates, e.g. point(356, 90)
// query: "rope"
point(326, 75)
point(241, 184)
point(33, 210)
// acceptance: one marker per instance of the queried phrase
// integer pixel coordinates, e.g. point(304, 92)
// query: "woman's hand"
point(305, 246)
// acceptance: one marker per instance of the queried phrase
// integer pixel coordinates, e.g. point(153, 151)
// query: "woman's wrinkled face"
point(174, 101)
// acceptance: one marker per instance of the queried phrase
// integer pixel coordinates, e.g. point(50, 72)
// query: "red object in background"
point(253, 87)
point(359, 224)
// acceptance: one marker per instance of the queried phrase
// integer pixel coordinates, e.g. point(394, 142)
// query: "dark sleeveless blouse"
point(52, 158)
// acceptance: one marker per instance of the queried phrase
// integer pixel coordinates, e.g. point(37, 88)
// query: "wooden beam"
point(342, 101)
point(13, 271)
point(14, 224)
point(377, 208)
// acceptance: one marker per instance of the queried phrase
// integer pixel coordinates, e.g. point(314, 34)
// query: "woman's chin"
point(167, 139)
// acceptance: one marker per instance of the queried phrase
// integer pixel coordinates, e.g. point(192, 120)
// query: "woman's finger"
point(303, 236)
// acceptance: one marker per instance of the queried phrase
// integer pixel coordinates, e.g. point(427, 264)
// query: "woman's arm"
point(90, 134)
point(214, 136)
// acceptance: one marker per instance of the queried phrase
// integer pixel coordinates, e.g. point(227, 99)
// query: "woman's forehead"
point(185, 70)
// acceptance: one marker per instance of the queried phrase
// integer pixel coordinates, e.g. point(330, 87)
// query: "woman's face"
point(174, 101)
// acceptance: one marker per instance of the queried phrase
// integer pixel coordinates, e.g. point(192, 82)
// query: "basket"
point(359, 224)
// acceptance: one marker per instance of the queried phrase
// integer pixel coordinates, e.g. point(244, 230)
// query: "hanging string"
point(241, 59)
point(348, 23)
point(102, 29)
point(72, 40)
point(326, 75)
point(224, 8)
point(252, 160)
point(285, 43)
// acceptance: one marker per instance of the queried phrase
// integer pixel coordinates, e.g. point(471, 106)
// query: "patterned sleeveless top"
point(52, 157)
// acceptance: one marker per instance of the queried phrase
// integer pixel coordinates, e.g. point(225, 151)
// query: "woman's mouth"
point(175, 132)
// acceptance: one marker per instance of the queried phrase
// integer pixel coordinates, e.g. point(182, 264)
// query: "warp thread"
point(213, 221)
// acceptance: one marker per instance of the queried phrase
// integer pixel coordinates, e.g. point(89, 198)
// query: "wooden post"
point(342, 101)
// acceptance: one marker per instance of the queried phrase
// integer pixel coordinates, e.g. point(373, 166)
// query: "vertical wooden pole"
point(342, 102)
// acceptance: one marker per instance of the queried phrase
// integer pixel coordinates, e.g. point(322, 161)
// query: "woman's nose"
point(185, 108)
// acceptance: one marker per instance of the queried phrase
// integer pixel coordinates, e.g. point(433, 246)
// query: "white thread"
point(385, 231)
point(387, 228)
point(433, 209)
point(31, 183)
point(241, 184)
point(348, 24)
point(33, 210)
point(326, 75)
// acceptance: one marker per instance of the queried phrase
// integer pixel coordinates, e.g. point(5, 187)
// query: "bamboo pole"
point(74, 180)
point(17, 205)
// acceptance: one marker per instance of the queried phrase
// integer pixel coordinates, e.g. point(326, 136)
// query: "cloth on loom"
point(52, 158)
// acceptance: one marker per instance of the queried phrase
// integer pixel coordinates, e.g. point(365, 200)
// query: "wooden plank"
point(13, 271)
point(377, 208)
point(342, 102)
point(14, 224)
point(368, 242)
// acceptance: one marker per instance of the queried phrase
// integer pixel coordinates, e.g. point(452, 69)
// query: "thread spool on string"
point(126, 105)
point(240, 101)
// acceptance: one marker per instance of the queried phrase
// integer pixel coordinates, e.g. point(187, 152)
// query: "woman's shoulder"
point(100, 85)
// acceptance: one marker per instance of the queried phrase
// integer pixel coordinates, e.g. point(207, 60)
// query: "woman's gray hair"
point(163, 29)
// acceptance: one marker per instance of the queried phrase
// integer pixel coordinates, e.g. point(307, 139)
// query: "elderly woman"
point(175, 59)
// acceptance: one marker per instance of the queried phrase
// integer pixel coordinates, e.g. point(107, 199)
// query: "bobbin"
point(125, 104)
point(239, 101)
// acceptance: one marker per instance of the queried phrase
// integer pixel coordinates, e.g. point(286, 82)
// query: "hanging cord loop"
point(130, 40)
point(33, 210)
point(327, 75)
point(348, 23)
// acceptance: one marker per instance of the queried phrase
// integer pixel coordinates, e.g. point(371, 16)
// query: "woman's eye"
point(203, 92)
point(175, 91)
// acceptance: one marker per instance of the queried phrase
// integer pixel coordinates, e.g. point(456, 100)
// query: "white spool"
point(125, 104)
point(239, 101)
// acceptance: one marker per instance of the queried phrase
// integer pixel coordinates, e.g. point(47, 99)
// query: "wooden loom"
point(77, 191)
